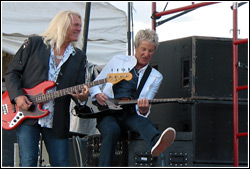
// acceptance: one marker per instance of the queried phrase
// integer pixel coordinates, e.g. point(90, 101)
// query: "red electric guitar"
point(12, 116)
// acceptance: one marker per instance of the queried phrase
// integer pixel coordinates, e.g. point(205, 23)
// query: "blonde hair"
point(56, 32)
point(148, 35)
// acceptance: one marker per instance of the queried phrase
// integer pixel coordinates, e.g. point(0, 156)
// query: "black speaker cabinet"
point(139, 153)
point(93, 149)
point(213, 133)
point(202, 67)
point(199, 66)
point(180, 153)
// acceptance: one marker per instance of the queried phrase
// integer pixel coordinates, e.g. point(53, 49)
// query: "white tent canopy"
point(107, 26)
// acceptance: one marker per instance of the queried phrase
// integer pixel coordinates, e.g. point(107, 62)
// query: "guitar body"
point(96, 111)
point(12, 116)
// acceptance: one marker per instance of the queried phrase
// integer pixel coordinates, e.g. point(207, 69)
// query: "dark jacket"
point(30, 67)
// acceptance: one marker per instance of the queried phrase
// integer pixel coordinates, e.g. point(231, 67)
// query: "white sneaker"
point(166, 139)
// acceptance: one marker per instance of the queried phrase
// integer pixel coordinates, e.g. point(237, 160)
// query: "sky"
point(213, 20)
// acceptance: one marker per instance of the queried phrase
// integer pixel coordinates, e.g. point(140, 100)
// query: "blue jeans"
point(28, 137)
point(111, 127)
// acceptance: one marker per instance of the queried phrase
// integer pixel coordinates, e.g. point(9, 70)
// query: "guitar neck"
point(66, 91)
point(153, 101)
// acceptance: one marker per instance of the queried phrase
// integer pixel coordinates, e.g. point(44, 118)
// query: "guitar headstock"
point(117, 77)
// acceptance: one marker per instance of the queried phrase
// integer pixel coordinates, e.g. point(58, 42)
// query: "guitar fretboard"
point(123, 102)
point(63, 92)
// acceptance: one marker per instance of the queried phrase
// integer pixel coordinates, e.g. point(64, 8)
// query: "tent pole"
point(86, 26)
point(129, 33)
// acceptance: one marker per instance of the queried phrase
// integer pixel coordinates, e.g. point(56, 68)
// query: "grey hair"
point(148, 35)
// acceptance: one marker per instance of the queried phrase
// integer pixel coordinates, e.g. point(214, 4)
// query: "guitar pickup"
point(16, 119)
point(5, 109)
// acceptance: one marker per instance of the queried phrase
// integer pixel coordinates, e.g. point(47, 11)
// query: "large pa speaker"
point(213, 133)
point(201, 67)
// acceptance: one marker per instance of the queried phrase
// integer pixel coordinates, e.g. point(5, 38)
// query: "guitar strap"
point(142, 82)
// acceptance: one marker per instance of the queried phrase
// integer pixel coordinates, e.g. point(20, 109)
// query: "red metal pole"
point(153, 19)
point(159, 14)
point(237, 42)
point(242, 134)
point(235, 85)
point(242, 88)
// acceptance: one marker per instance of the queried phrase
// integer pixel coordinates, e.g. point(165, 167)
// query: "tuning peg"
point(123, 70)
point(112, 70)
